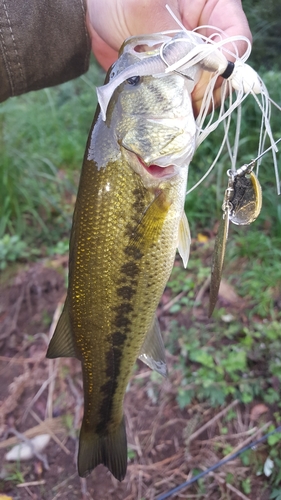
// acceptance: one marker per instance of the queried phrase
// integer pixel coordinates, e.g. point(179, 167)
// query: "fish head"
point(153, 120)
point(157, 122)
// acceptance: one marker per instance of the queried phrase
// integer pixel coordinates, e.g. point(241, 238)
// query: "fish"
point(128, 222)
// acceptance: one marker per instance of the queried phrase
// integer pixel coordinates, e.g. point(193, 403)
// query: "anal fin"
point(152, 352)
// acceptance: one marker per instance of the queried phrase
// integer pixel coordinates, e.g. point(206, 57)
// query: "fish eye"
point(134, 80)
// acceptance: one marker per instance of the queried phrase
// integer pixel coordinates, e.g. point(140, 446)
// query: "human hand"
point(110, 22)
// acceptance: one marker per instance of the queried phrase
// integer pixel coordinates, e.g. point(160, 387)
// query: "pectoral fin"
point(184, 239)
point(152, 352)
point(151, 224)
point(62, 345)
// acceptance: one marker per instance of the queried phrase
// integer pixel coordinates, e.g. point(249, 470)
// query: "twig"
point(31, 483)
point(52, 434)
point(212, 421)
point(16, 389)
point(63, 483)
point(33, 496)
point(36, 453)
point(173, 301)
point(237, 492)
point(140, 485)
point(241, 445)
point(228, 485)
point(16, 311)
point(141, 375)
point(83, 487)
point(157, 464)
point(53, 363)
point(138, 447)
point(229, 436)
point(173, 421)
point(79, 401)
point(202, 291)
point(20, 361)
point(38, 394)
point(53, 369)
point(45, 427)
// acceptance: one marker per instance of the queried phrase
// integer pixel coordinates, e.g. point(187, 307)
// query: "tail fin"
point(110, 450)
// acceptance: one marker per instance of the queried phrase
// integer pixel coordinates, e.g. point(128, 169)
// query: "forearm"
point(42, 43)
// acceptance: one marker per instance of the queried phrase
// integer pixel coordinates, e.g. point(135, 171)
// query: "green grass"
point(42, 141)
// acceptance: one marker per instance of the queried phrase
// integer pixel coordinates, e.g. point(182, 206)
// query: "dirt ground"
point(39, 396)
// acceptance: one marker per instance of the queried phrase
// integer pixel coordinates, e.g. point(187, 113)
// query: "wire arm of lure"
point(252, 162)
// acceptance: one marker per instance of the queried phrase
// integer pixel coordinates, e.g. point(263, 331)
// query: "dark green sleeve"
point(42, 43)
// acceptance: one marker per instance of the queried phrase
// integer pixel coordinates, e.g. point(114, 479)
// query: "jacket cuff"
point(42, 43)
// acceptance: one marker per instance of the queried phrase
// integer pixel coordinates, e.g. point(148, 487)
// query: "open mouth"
point(157, 171)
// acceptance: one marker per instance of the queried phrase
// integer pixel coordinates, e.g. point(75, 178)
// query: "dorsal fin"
point(62, 345)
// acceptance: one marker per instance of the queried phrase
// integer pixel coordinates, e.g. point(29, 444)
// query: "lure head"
point(245, 78)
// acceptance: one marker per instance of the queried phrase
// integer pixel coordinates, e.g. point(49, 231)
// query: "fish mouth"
point(151, 172)
point(157, 171)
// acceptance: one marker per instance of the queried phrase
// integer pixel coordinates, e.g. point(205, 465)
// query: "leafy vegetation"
point(226, 356)
point(42, 141)
point(263, 19)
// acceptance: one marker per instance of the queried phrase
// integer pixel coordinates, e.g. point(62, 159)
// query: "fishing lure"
point(241, 206)
point(190, 53)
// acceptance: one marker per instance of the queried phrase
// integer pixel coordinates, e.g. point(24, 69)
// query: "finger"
point(150, 16)
point(199, 91)
point(126, 18)
point(227, 15)
point(104, 54)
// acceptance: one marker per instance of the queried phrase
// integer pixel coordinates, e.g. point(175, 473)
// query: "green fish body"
point(127, 224)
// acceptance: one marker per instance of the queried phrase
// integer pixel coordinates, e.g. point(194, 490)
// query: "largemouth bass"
point(128, 222)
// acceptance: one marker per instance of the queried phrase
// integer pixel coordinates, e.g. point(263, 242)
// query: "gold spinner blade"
point(242, 205)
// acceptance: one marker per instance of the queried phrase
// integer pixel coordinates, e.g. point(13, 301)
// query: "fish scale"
point(120, 301)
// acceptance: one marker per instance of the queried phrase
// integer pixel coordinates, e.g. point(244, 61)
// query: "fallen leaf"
point(227, 293)
point(257, 411)
point(268, 467)
point(202, 238)
point(25, 451)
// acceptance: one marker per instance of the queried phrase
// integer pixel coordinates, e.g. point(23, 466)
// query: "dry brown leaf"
point(257, 411)
point(50, 425)
point(227, 293)
point(16, 389)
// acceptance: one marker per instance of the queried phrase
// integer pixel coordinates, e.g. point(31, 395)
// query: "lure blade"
point(247, 199)
point(242, 205)
point(218, 260)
